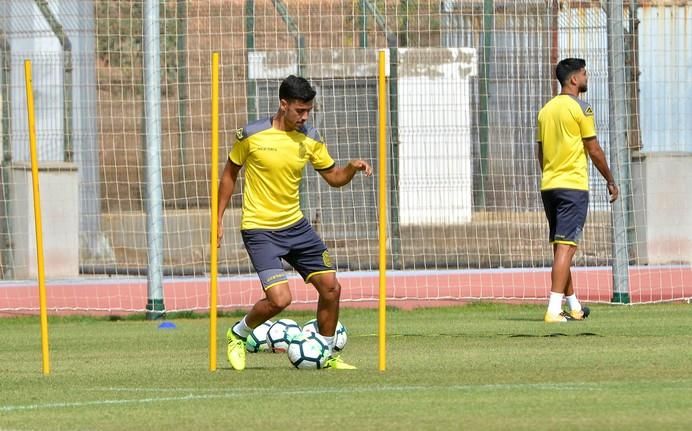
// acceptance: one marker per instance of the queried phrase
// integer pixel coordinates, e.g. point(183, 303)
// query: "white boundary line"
point(204, 394)
point(224, 393)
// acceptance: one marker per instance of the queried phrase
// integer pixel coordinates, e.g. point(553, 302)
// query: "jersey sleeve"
point(319, 155)
point(240, 149)
point(587, 127)
point(320, 158)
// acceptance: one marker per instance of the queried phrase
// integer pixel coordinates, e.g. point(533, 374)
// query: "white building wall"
point(665, 63)
point(435, 181)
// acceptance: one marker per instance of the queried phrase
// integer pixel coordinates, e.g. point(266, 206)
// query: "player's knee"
point(331, 292)
point(278, 304)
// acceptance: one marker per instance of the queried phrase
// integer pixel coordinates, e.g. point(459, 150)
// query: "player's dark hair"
point(565, 68)
point(296, 88)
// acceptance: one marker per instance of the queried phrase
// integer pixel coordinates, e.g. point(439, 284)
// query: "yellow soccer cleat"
point(580, 314)
point(557, 318)
point(336, 363)
point(236, 350)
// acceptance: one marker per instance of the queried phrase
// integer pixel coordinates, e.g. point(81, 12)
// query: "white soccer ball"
point(281, 333)
point(340, 335)
point(308, 352)
point(257, 340)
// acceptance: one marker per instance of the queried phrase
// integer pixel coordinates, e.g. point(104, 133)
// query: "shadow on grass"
point(523, 319)
point(553, 334)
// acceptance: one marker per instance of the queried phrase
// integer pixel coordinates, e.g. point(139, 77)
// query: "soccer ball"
point(308, 352)
point(257, 340)
point(281, 333)
point(340, 335)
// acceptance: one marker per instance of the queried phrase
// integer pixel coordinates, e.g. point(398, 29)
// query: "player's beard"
point(583, 87)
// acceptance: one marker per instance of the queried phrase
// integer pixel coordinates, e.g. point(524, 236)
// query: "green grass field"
point(480, 366)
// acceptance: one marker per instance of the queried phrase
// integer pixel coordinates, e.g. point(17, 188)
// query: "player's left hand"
point(219, 233)
point(361, 165)
point(613, 191)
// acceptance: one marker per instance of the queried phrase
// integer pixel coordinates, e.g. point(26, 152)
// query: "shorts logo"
point(577, 234)
point(275, 277)
point(326, 259)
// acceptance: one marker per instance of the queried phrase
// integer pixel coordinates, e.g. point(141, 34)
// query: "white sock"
point(555, 303)
point(573, 302)
point(329, 341)
point(241, 328)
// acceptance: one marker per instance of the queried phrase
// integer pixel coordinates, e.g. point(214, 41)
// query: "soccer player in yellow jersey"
point(274, 151)
point(566, 137)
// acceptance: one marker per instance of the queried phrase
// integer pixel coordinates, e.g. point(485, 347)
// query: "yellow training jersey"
point(563, 123)
point(274, 161)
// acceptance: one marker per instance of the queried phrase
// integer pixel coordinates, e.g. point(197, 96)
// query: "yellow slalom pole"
point(214, 208)
point(37, 217)
point(382, 205)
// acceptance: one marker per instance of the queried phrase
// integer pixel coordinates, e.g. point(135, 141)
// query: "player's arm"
point(539, 142)
point(340, 176)
point(226, 187)
point(598, 158)
point(539, 154)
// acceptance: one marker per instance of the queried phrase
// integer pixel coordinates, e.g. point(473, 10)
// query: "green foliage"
point(481, 366)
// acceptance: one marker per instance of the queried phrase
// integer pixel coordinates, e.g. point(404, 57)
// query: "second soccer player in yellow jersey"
point(566, 137)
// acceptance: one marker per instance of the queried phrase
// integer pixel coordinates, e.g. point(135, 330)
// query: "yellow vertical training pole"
point(37, 216)
point(214, 208)
point(382, 205)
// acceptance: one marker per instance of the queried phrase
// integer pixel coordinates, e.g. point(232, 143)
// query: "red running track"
point(405, 289)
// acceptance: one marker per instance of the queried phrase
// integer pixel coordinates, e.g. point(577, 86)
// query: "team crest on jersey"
point(588, 111)
point(301, 150)
point(326, 259)
point(239, 134)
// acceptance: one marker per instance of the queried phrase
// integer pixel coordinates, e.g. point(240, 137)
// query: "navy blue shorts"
point(566, 212)
point(298, 244)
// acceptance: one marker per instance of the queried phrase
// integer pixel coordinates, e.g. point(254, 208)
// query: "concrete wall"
point(473, 245)
point(58, 187)
point(662, 213)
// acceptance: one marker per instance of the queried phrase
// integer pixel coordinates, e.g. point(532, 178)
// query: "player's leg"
point(566, 212)
point(264, 251)
point(329, 291)
point(560, 276)
point(310, 257)
point(569, 290)
point(575, 308)
point(550, 205)
point(276, 299)
point(572, 224)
